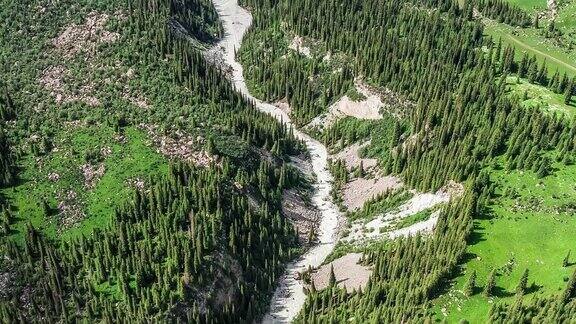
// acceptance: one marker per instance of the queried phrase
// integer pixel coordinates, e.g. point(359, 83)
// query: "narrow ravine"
point(289, 296)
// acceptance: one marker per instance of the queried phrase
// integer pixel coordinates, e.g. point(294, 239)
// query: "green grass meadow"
point(529, 40)
point(130, 159)
point(558, 52)
point(530, 5)
point(530, 227)
point(540, 97)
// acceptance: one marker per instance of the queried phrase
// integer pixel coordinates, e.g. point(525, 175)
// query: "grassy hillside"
point(536, 96)
point(528, 225)
point(48, 181)
point(553, 45)
point(530, 41)
point(529, 5)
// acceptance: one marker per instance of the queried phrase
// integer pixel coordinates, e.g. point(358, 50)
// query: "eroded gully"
point(289, 296)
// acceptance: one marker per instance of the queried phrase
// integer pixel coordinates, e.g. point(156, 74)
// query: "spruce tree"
point(570, 289)
point(332, 279)
point(521, 288)
point(490, 284)
point(470, 285)
point(569, 92)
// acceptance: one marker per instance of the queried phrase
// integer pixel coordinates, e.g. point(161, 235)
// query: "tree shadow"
point(476, 290)
point(486, 212)
point(501, 292)
point(468, 256)
point(497, 166)
point(11, 231)
point(449, 282)
point(476, 236)
point(533, 288)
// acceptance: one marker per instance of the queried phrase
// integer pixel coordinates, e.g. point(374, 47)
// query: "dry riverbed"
point(289, 296)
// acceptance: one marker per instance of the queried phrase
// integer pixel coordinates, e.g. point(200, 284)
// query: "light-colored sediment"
point(92, 174)
point(85, 37)
point(382, 225)
point(369, 108)
point(302, 165)
point(289, 296)
point(55, 78)
point(297, 45)
point(347, 271)
point(351, 156)
point(284, 106)
point(303, 216)
point(552, 8)
point(425, 226)
point(180, 146)
point(360, 190)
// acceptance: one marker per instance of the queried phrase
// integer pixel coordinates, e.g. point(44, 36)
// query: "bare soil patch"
point(180, 146)
point(55, 78)
point(376, 100)
point(86, 37)
point(425, 226)
point(82, 41)
point(284, 106)
point(360, 190)
point(70, 208)
point(552, 9)
point(369, 108)
point(349, 273)
point(351, 156)
point(297, 45)
point(382, 224)
point(92, 174)
point(301, 214)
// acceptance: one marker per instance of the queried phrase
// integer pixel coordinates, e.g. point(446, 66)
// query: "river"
point(289, 296)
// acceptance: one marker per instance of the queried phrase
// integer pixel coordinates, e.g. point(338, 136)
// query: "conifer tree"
point(521, 288)
point(566, 261)
point(490, 284)
point(569, 92)
point(470, 285)
point(332, 279)
point(570, 288)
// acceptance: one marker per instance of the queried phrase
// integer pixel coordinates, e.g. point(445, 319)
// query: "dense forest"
point(197, 243)
point(458, 88)
point(435, 54)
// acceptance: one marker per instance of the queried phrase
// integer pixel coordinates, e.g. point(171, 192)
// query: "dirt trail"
point(489, 22)
point(548, 56)
point(289, 297)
